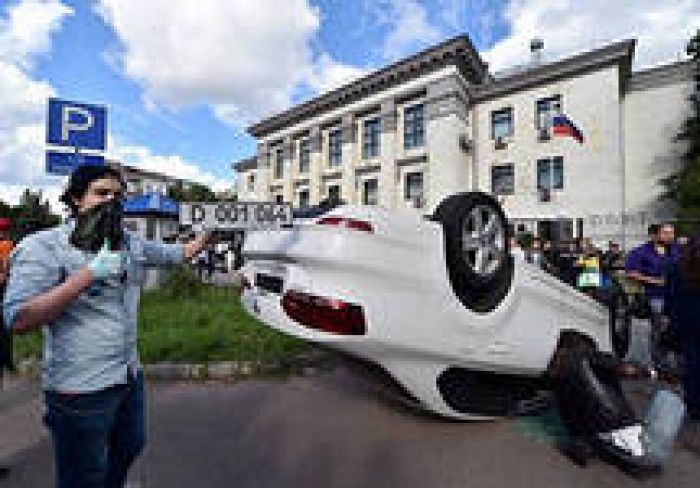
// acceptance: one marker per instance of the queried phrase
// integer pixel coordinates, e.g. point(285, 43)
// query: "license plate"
point(235, 215)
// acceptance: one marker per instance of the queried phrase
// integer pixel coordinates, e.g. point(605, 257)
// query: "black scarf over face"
point(94, 225)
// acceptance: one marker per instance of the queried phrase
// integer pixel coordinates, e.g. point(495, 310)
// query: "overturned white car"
point(437, 302)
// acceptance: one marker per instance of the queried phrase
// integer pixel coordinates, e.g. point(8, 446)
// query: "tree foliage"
point(194, 193)
point(31, 214)
point(683, 188)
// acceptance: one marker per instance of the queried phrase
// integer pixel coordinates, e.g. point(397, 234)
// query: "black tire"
point(620, 322)
point(589, 393)
point(479, 288)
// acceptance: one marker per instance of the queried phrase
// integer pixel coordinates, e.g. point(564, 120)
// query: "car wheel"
point(477, 252)
point(589, 393)
point(620, 323)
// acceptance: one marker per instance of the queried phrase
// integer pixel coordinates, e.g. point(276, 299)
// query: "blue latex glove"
point(106, 264)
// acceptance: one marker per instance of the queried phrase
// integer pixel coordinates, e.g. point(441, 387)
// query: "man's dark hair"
point(81, 178)
point(653, 229)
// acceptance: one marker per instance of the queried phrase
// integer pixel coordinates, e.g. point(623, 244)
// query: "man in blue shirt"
point(87, 303)
point(648, 265)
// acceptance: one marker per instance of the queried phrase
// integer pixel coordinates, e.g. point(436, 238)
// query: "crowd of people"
point(577, 262)
point(660, 276)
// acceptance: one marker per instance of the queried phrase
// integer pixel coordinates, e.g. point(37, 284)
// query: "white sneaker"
point(629, 439)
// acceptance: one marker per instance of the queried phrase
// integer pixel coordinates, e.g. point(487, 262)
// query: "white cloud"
point(172, 165)
point(569, 26)
point(243, 59)
point(25, 31)
point(329, 74)
point(411, 29)
point(217, 52)
point(22, 98)
point(27, 27)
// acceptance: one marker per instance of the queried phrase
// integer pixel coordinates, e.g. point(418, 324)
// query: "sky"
point(182, 79)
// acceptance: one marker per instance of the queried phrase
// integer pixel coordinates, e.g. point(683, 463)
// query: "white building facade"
point(439, 123)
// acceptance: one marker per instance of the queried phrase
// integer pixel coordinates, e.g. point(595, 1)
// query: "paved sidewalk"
point(331, 429)
point(21, 425)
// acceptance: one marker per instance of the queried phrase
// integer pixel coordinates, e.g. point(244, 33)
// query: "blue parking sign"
point(76, 124)
point(63, 163)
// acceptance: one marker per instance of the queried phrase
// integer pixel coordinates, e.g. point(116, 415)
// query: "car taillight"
point(353, 224)
point(326, 314)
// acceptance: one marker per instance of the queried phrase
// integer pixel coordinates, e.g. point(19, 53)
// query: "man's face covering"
point(94, 225)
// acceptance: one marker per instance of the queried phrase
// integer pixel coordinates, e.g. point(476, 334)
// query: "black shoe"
point(4, 471)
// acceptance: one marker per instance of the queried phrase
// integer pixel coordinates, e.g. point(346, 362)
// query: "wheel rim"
point(483, 240)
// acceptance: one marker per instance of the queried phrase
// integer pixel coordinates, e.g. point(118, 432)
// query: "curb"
point(306, 363)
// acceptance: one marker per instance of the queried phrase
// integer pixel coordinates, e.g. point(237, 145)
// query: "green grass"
point(210, 326)
point(27, 345)
point(186, 321)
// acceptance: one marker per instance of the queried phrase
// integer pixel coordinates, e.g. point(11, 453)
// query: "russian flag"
point(563, 126)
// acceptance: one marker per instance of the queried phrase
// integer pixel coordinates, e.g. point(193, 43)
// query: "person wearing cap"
point(81, 282)
point(6, 246)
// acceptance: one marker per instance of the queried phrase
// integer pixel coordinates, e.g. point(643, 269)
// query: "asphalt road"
point(324, 429)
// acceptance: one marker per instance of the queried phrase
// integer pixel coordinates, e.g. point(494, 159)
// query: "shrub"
point(182, 282)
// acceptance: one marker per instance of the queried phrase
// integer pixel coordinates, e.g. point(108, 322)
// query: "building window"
point(150, 228)
point(413, 188)
point(279, 198)
point(251, 182)
point(545, 109)
point(371, 138)
point(304, 198)
point(370, 192)
point(279, 164)
point(413, 127)
point(503, 179)
point(335, 148)
point(334, 193)
point(502, 123)
point(131, 225)
point(133, 186)
point(550, 173)
point(304, 156)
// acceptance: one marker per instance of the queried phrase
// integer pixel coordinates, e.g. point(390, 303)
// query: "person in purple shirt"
point(649, 265)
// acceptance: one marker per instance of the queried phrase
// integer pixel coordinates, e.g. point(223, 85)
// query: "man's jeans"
point(662, 358)
point(96, 436)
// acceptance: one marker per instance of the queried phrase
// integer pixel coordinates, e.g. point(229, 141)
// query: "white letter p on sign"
point(67, 126)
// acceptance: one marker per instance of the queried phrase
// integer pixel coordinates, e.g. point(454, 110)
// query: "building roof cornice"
point(678, 72)
point(144, 173)
point(245, 164)
point(458, 51)
point(617, 53)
